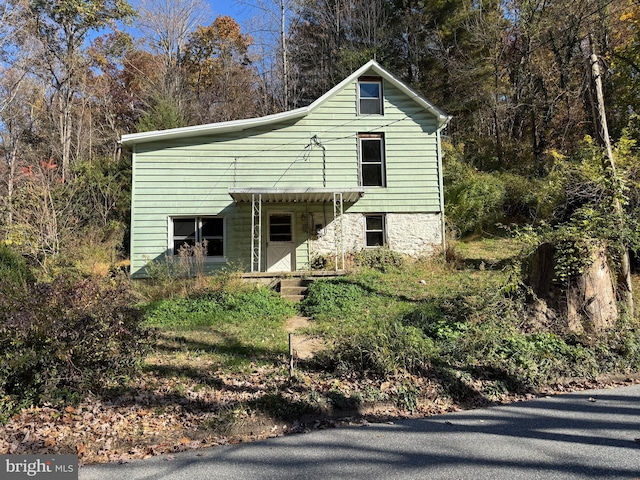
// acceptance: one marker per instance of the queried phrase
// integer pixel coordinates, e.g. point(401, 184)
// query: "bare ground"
point(304, 346)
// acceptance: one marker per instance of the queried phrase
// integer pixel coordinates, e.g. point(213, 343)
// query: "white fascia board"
point(211, 128)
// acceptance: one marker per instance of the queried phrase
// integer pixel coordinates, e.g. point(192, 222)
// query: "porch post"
point(338, 232)
point(256, 231)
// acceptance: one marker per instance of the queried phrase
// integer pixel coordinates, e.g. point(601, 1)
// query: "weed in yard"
point(334, 298)
point(407, 397)
point(228, 420)
point(423, 319)
point(277, 405)
point(383, 346)
point(341, 401)
point(374, 394)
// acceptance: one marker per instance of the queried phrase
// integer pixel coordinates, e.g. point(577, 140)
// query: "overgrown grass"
point(233, 328)
point(463, 325)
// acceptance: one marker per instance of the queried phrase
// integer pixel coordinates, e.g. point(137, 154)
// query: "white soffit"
point(296, 195)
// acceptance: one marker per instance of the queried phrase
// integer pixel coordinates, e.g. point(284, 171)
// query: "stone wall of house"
point(414, 234)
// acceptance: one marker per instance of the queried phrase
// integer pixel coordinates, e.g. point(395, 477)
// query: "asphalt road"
point(572, 436)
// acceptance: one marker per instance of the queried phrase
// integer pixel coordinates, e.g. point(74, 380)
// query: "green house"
point(361, 167)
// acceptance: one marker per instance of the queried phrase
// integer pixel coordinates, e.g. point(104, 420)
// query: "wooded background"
point(525, 144)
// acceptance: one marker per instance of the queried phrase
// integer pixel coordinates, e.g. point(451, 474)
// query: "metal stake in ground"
point(291, 355)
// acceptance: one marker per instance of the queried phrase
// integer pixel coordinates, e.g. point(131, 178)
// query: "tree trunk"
point(586, 303)
point(624, 277)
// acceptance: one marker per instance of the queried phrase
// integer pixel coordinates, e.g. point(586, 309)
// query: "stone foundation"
point(414, 234)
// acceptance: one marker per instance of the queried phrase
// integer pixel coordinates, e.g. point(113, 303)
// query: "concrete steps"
point(294, 289)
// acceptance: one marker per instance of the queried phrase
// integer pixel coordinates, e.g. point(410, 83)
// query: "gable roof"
point(239, 125)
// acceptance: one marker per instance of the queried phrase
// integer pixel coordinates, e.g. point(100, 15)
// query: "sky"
point(241, 12)
point(252, 19)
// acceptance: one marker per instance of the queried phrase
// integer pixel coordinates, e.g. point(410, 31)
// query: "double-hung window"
point(192, 230)
point(374, 230)
point(369, 96)
point(372, 169)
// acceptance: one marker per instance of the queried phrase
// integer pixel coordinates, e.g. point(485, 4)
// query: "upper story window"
point(191, 230)
point(372, 165)
point(370, 96)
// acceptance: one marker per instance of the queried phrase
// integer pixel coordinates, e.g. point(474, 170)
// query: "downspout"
point(441, 186)
point(132, 244)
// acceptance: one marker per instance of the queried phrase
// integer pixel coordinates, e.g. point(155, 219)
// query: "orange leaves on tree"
point(48, 165)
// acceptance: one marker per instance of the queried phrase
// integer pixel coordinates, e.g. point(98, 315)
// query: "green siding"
point(192, 176)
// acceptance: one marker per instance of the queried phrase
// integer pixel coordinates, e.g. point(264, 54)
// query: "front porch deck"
point(295, 280)
point(298, 274)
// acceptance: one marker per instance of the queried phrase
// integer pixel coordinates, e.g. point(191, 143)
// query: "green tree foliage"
point(162, 114)
point(584, 216)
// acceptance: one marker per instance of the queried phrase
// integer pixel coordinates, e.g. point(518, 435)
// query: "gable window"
point(372, 160)
point(374, 230)
point(369, 96)
point(192, 230)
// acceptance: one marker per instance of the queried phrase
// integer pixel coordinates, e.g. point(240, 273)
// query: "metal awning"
point(296, 195)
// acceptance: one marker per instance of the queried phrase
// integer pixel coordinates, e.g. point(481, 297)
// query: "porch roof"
point(296, 194)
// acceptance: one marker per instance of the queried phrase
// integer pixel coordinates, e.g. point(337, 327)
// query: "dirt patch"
point(304, 346)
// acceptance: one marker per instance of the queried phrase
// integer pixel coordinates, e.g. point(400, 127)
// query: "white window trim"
point(212, 259)
point(384, 229)
point(380, 98)
point(383, 159)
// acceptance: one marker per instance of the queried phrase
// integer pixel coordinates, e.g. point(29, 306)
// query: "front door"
point(280, 244)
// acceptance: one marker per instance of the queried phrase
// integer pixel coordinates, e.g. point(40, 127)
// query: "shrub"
point(481, 334)
point(529, 360)
point(67, 338)
point(475, 201)
point(319, 262)
point(13, 268)
point(522, 197)
point(381, 258)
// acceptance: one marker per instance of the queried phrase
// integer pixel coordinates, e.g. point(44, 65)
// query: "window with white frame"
point(372, 169)
point(370, 96)
point(192, 230)
point(374, 230)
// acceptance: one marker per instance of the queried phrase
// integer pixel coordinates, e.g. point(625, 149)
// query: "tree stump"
point(585, 303)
